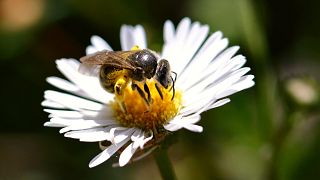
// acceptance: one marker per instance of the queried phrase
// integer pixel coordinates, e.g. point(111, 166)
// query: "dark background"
point(270, 131)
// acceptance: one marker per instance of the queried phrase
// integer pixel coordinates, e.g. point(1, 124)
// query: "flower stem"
point(164, 164)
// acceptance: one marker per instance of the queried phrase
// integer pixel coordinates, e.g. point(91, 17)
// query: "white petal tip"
point(122, 163)
point(93, 163)
point(46, 124)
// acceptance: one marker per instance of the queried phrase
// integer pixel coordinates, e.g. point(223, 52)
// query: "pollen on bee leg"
point(137, 114)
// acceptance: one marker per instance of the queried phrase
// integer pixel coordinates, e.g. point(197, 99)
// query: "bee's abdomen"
point(109, 76)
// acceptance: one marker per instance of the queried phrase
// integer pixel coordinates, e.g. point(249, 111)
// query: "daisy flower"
point(207, 71)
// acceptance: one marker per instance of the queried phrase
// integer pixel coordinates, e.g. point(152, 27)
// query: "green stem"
point(164, 164)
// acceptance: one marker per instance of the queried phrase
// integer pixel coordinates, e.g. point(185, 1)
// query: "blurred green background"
point(270, 131)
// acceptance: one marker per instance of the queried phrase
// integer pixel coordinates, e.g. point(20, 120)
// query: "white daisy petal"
point(219, 103)
point(194, 128)
point(71, 101)
point(52, 124)
point(244, 83)
point(192, 119)
point(90, 135)
point(201, 61)
point(121, 135)
point(172, 127)
point(127, 154)
point(126, 38)
point(113, 132)
point(90, 85)
point(100, 44)
point(197, 105)
point(82, 124)
point(223, 83)
point(136, 135)
point(168, 31)
point(131, 36)
point(63, 84)
point(90, 50)
point(222, 60)
point(64, 113)
point(107, 153)
point(195, 38)
point(187, 40)
point(51, 104)
point(218, 81)
point(96, 137)
point(140, 37)
point(82, 133)
point(185, 122)
point(172, 50)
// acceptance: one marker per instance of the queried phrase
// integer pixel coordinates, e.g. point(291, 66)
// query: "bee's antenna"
point(173, 89)
point(175, 77)
point(173, 80)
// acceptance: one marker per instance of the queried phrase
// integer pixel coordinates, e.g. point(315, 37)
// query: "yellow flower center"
point(132, 110)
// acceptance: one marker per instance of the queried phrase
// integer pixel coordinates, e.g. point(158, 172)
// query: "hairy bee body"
point(110, 75)
point(119, 68)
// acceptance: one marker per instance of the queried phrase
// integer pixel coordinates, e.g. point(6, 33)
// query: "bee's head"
point(163, 73)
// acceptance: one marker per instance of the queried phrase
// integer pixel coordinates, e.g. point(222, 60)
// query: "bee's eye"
point(163, 73)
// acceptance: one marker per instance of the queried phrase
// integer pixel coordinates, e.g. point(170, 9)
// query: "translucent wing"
point(89, 69)
point(117, 59)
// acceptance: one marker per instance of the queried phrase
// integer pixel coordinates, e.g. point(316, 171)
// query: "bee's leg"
point(159, 90)
point(120, 84)
point(121, 102)
point(146, 89)
point(118, 88)
point(141, 93)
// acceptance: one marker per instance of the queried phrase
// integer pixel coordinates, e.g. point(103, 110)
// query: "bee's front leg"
point(146, 89)
point(141, 93)
point(159, 90)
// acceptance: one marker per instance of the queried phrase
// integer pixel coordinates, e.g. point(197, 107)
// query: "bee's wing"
point(113, 58)
point(90, 64)
point(89, 69)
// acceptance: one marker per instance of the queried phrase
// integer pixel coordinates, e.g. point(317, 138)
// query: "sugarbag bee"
point(119, 68)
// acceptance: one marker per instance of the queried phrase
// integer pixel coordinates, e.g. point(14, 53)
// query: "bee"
point(116, 69)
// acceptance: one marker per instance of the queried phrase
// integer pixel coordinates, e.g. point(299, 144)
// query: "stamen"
point(153, 116)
